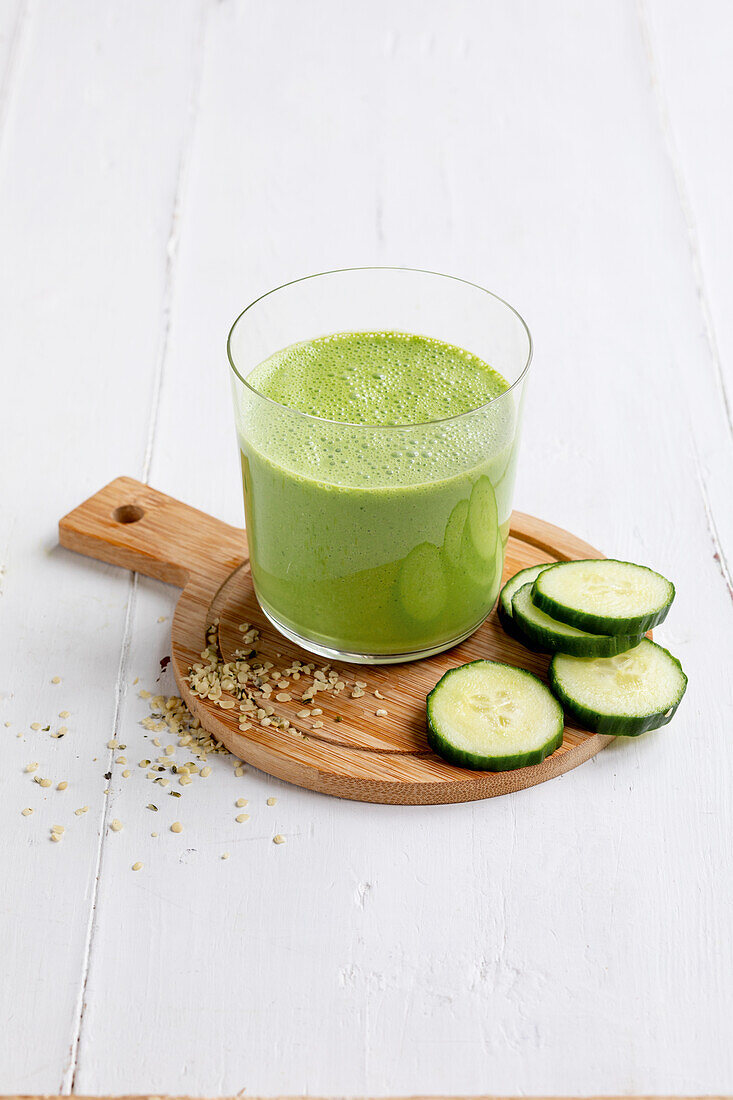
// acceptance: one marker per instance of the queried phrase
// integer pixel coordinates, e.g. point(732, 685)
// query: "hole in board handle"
point(128, 513)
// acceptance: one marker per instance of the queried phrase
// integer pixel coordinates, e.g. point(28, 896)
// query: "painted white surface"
point(161, 164)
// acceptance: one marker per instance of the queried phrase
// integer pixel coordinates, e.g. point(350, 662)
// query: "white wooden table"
point(161, 163)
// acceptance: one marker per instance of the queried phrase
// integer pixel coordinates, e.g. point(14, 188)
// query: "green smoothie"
point(378, 472)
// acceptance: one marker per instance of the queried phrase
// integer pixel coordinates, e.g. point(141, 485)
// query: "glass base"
point(369, 658)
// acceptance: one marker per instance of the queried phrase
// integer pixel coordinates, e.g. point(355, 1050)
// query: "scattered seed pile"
point(171, 719)
point(250, 682)
point(171, 715)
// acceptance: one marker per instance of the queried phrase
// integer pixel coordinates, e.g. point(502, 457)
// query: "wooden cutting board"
point(355, 753)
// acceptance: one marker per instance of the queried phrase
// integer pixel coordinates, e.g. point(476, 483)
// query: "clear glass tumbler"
point(378, 544)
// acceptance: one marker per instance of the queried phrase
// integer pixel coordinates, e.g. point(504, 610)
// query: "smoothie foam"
point(380, 378)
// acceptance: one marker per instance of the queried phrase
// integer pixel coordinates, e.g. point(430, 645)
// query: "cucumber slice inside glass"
point(483, 519)
point(453, 537)
point(624, 695)
point(422, 585)
point(557, 637)
point(488, 573)
point(481, 535)
point(493, 717)
point(604, 596)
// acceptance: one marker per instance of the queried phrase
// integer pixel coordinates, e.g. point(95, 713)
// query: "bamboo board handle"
point(130, 524)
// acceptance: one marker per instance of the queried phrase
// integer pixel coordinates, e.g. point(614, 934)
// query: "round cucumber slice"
point(481, 536)
point(493, 717)
point(504, 606)
point(422, 587)
point(454, 534)
point(524, 576)
point(557, 637)
point(604, 596)
point(624, 695)
point(483, 519)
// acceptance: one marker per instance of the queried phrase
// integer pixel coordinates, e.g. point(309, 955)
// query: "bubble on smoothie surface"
point(380, 378)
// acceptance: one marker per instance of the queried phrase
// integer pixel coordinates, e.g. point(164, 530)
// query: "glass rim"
point(382, 427)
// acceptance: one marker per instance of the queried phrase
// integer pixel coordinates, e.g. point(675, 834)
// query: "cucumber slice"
point(454, 534)
point(480, 536)
point(524, 576)
point(483, 519)
point(627, 694)
point(519, 580)
point(422, 586)
point(604, 596)
point(504, 606)
point(493, 717)
point(556, 637)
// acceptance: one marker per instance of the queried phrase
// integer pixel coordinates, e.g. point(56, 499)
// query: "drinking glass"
point(378, 544)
